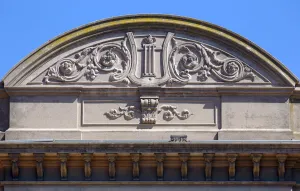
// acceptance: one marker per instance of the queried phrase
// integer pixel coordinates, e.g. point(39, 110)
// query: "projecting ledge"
point(239, 183)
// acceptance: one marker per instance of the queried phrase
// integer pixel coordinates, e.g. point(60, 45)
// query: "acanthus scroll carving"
point(188, 59)
point(129, 112)
point(156, 61)
point(91, 62)
point(148, 111)
point(170, 112)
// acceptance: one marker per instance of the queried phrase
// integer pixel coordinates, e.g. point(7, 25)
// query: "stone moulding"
point(151, 183)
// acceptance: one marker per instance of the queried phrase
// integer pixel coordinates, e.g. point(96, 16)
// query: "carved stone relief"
point(128, 112)
point(149, 108)
point(148, 111)
point(178, 138)
point(189, 59)
point(110, 58)
point(170, 112)
point(149, 62)
point(164, 60)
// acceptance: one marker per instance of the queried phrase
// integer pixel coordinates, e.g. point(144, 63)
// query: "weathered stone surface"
point(149, 102)
point(4, 114)
point(295, 119)
point(42, 135)
point(147, 135)
point(255, 112)
point(254, 135)
point(175, 77)
point(43, 112)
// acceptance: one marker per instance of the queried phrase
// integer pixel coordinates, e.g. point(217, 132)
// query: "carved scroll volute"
point(63, 157)
point(184, 157)
point(208, 158)
point(135, 166)
point(92, 61)
point(281, 158)
point(87, 157)
point(231, 168)
point(14, 165)
point(149, 107)
point(256, 165)
point(39, 158)
point(112, 157)
point(160, 165)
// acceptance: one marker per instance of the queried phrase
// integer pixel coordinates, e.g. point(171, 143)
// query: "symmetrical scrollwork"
point(108, 58)
point(191, 58)
point(170, 112)
point(153, 62)
point(128, 112)
point(148, 111)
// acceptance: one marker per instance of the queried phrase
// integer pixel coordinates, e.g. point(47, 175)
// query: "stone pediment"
point(159, 55)
point(151, 77)
point(150, 61)
point(150, 102)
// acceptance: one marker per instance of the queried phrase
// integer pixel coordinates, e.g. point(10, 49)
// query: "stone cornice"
point(150, 147)
point(164, 91)
point(187, 183)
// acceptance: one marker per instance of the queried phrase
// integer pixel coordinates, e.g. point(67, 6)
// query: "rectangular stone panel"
point(199, 112)
point(295, 118)
point(195, 112)
point(245, 112)
point(43, 112)
point(101, 112)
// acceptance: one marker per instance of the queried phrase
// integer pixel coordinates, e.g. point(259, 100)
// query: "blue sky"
point(274, 25)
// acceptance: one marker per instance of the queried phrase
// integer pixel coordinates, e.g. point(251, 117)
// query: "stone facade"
point(150, 100)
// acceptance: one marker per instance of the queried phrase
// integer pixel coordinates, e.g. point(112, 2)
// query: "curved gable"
point(155, 50)
point(151, 77)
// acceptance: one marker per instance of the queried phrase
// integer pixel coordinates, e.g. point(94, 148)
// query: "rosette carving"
point(68, 69)
point(188, 59)
point(91, 62)
point(109, 58)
